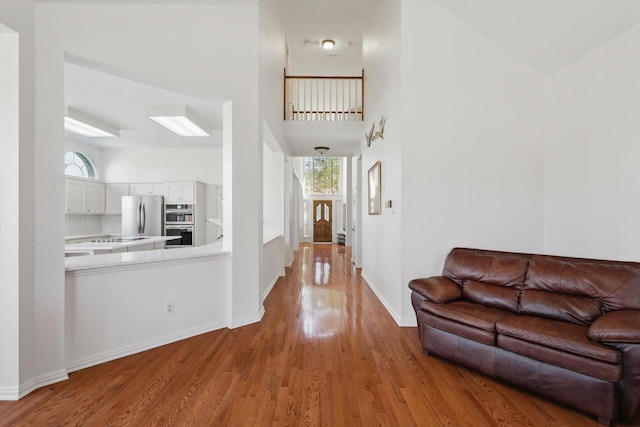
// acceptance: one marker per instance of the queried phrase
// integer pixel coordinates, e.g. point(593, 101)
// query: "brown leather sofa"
point(566, 328)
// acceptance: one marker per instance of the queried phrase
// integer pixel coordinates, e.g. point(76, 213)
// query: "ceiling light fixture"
point(177, 119)
point(328, 44)
point(79, 123)
point(321, 150)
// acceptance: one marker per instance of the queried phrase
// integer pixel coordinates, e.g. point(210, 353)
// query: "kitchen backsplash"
point(77, 225)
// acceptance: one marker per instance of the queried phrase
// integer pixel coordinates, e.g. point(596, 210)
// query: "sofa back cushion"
point(487, 277)
point(503, 297)
point(551, 305)
point(578, 290)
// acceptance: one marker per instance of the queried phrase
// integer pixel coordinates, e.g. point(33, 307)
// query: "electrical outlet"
point(169, 309)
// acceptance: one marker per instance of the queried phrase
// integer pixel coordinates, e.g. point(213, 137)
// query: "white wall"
point(462, 156)
point(273, 265)
point(273, 193)
point(289, 209)
point(114, 312)
point(473, 159)
point(141, 165)
point(592, 201)
point(40, 330)
point(382, 249)
point(9, 228)
point(165, 43)
point(272, 63)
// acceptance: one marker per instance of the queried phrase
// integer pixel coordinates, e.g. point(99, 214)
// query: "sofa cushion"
point(502, 297)
point(585, 365)
point(495, 268)
point(617, 327)
point(577, 309)
point(559, 335)
point(457, 328)
point(468, 313)
point(613, 284)
point(436, 289)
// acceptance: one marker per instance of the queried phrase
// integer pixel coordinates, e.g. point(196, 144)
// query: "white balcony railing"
point(324, 98)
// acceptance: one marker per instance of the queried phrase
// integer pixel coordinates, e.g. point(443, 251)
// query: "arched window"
point(78, 164)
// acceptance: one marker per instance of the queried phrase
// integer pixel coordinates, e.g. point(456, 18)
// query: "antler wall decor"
point(373, 135)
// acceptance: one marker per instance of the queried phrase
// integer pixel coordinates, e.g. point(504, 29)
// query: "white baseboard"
point(18, 392)
point(97, 359)
point(9, 393)
point(290, 262)
point(403, 323)
point(247, 320)
point(269, 288)
point(384, 302)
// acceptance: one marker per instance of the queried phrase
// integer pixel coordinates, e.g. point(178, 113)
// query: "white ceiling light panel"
point(177, 119)
point(81, 124)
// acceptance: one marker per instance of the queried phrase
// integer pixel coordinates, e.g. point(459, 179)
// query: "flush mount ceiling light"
point(177, 119)
point(81, 124)
point(321, 150)
point(328, 44)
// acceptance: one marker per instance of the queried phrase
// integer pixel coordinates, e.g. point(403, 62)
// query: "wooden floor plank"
point(326, 353)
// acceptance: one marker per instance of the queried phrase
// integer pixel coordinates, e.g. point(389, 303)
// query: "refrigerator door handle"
point(138, 214)
point(144, 218)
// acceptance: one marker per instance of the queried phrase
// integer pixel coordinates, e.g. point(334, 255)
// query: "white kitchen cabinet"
point(84, 197)
point(113, 198)
point(75, 201)
point(95, 192)
point(155, 189)
point(180, 192)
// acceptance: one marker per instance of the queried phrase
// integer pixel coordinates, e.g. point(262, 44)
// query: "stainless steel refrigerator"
point(142, 216)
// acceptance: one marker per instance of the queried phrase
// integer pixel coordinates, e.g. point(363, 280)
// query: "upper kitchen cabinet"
point(182, 191)
point(146, 189)
point(113, 198)
point(85, 197)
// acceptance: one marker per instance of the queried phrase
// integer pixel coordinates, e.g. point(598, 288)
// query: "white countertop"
point(142, 257)
point(89, 236)
point(98, 246)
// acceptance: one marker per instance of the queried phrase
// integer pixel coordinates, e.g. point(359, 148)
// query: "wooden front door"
point(322, 221)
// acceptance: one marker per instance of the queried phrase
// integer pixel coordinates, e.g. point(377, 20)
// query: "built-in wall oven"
point(184, 232)
point(178, 222)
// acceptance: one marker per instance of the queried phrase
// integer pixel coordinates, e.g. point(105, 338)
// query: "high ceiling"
point(546, 34)
point(120, 103)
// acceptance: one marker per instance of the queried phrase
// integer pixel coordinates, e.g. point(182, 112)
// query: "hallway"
point(326, 353)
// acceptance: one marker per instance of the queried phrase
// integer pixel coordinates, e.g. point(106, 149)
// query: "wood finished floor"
point(326, 353)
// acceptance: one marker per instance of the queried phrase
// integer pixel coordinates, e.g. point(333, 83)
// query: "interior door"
point(322, 221)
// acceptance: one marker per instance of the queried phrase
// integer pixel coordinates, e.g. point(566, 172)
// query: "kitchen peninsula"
point(122, 303)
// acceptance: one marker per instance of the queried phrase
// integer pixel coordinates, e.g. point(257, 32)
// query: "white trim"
point(15, 393)
point(140, 347)
point(384, 302)
point(247, 320)
point(269, 288)
point(290, 262)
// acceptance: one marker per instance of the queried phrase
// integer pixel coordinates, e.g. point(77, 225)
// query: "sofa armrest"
point(436, 289)
point(622, 326)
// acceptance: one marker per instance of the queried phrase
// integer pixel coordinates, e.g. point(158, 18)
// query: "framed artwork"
point(374, 190)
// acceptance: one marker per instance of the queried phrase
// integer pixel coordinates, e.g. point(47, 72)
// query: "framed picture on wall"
point(375, 195)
